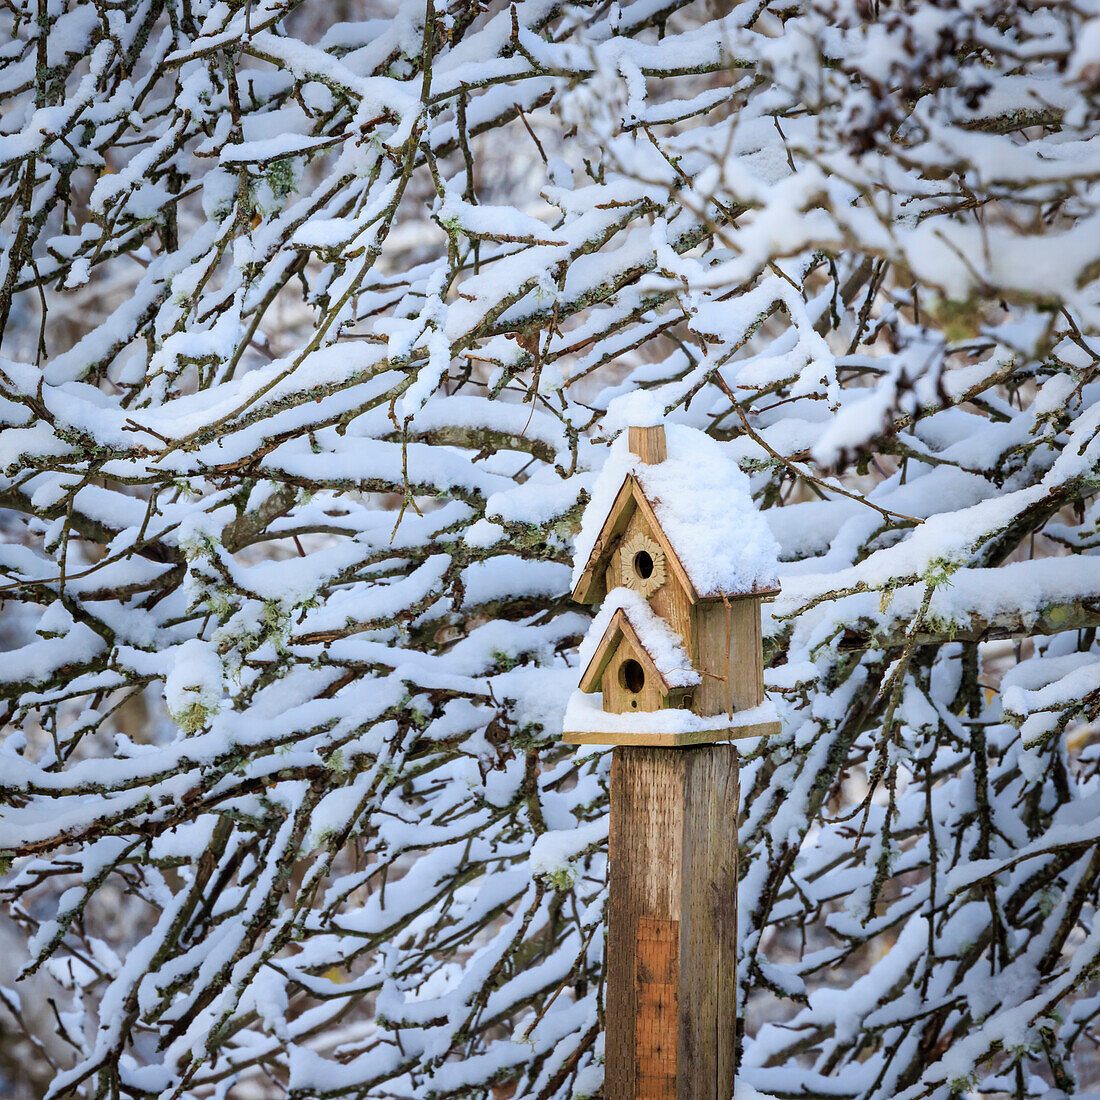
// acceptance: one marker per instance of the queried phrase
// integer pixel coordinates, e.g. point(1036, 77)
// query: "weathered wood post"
point(676, 654)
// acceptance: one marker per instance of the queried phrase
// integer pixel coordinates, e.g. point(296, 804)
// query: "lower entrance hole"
point(632, 677)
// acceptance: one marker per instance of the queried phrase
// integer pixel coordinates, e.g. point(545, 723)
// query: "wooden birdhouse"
point(680, 558)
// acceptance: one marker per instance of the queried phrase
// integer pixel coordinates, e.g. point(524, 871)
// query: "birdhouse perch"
point(681, 560)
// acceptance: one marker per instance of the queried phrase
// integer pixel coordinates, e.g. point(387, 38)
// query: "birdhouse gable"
point(696, 505)
point(628, 678)
point(626, 623)
point(631, 550)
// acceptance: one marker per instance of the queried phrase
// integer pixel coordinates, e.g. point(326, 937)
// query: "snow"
point(194, 684)
point(584, 713)
point(498, 223)
point(703, 503)
point(554, 852)
point(38, 661)
point(639, 409)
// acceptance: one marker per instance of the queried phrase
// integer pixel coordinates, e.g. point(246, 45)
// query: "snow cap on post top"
point(695, 498)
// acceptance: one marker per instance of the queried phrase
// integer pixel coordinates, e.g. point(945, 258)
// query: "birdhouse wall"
point(728, 646)
point(618, 698)
point(670, 602)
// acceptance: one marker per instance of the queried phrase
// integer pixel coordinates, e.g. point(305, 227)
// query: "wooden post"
point(672, 926)
point(680, 675)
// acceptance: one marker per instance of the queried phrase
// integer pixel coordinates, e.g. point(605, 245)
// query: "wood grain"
point(646, 821)
point(671, 977)
point(729, 643)
point(648, 443)
point(656, 972)
point(708, 925)
point(620, 643)
point(617, 698)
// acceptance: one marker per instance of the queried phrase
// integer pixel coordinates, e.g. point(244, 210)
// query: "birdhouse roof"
point(626, 616)
point(701, 503)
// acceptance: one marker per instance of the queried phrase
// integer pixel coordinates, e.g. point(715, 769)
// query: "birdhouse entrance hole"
point(642, 564)
point(632, 677)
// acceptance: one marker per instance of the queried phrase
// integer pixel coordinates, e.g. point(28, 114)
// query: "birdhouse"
point(680, 558)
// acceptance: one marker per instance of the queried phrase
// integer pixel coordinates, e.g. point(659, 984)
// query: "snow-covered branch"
point(316, 324)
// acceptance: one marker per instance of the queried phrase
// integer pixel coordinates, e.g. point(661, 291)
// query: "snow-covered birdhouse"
point(680, 558)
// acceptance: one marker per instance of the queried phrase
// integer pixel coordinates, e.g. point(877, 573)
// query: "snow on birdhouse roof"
point(656, 637)
point(703, 503)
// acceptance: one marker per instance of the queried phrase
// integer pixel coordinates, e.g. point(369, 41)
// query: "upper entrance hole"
point(643, 564)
